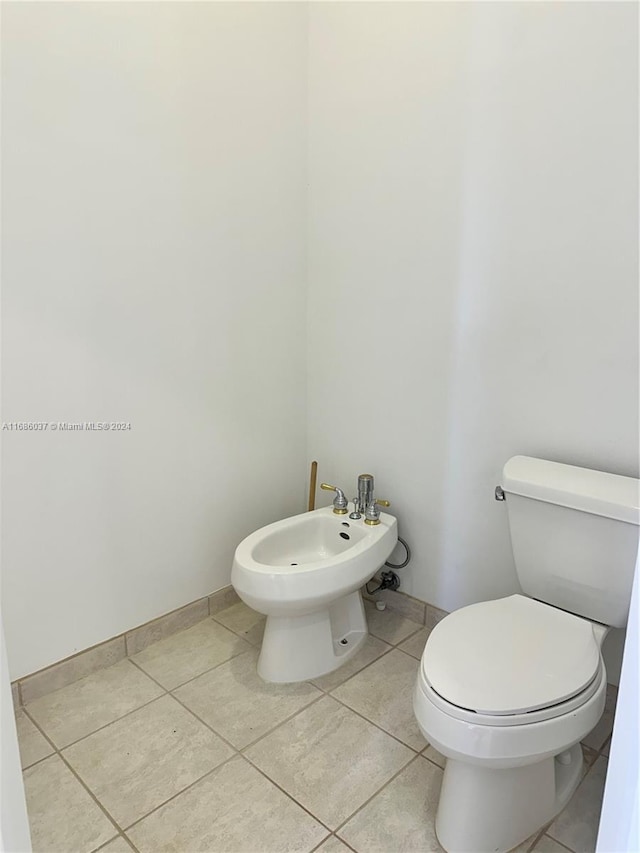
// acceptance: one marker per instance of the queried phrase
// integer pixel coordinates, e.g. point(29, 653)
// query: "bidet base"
point(300, 647)
point(486, 810)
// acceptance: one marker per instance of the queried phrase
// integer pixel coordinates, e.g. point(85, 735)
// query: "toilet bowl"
point(506, 691)
point(305, 573)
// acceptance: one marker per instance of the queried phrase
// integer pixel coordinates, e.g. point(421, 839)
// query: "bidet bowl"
point(304, 562)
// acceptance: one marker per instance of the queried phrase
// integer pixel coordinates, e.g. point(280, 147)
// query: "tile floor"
point(183, 748)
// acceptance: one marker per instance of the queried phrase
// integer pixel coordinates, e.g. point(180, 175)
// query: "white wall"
point(472, 283)
point(473, 262)
point(153, 272)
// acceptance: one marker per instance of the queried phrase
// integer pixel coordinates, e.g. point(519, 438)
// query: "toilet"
point(507, 689)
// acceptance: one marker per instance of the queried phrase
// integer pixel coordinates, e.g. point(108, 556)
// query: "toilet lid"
point(510, 656)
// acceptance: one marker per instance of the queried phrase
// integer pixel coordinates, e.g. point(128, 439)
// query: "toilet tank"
point(574, 534)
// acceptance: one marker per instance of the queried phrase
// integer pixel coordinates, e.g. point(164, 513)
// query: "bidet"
point(305, 573)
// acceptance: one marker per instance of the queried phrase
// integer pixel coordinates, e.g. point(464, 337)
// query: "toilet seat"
point(512, 657)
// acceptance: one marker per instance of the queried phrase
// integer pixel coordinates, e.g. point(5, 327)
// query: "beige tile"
point(405, 605)
point(86, 705)
point(605, 749)
point(238, 704)
point(118, 845)
point(235, 810)
point(254, 635)
point(598, 736)
point(333, 845)
point(181, 657)
point(241, 619)
point(589, 755)
point(388, 625)
point(548, 845)
point(138, 762)
point(383, 693)
point(414, 646)
point(371, 649)
point(72, 669)
point(577, 826)
point(222, 599)
point(62, 816)
point(433, 755)
point(433, 616)
point(166, 625)
point(33, 746)
point(402, 816)
point(329, 759)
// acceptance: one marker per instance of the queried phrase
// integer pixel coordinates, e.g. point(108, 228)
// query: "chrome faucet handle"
point(372, 513)
point(356, 509)
point(340, 504)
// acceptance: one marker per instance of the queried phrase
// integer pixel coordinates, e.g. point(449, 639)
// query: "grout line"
point(177, 794)
point(287, 794)
point(91, 794)
point(193, 678)
point(537, 837)
point(318, 846)
point(200, 720)
point(378, 726)
point(106, 725)
point(564, 846)
point(353, 674)
point(316, 699)
point(379, 791)
point(111, 840)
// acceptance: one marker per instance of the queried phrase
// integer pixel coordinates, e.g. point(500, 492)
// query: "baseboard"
point(127, 644)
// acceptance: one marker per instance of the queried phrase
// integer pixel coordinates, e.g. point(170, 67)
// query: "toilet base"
point(486, 810)
point(300, 647)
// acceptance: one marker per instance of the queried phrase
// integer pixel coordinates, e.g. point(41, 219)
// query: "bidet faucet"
point(339, 502)
point(365, 493)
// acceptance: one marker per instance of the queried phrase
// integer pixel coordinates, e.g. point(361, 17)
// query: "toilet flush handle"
point(499, 494)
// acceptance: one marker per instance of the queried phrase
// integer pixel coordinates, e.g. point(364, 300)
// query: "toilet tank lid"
point(596, 492)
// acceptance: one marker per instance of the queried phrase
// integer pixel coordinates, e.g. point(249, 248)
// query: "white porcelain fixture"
point(305, 574)
point(507, 689)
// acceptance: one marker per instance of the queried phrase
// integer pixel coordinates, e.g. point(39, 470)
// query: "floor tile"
point(86, 705)
point(138, 762)
point(33, 746)
point(62, 815)
point(333, 845)
point(577, 826)
point(329, 759)
point(548, 845)
point(414, 646)
point(433, 755)
point(235, 809)
point(181, 657)
point(383, 693)
point(238, 704)
point(118, 845)
point(388, 625)
point(597, 738)
point(371, 649)
point(402, 816)
point(242, 620)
